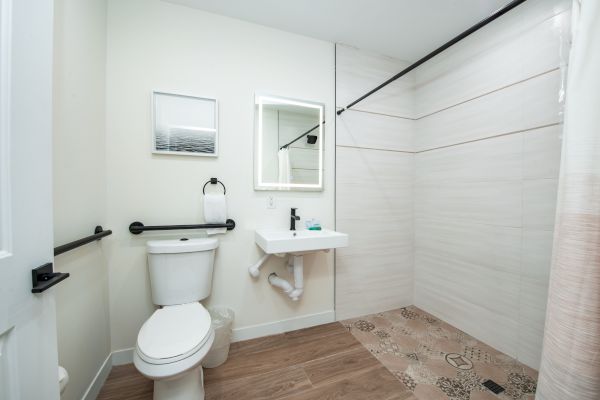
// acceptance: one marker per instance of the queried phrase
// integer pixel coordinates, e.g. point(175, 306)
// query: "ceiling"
point(405, 29)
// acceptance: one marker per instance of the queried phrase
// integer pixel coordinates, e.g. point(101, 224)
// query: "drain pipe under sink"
point(294, 292)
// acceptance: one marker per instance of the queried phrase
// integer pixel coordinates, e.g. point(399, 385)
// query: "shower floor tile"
point(434, 360)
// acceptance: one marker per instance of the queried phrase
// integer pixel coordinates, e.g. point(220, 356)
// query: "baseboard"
point(94, 389)
point(122, 357)
point(285, 325)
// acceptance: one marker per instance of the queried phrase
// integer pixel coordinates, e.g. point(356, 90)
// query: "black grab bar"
point(137, 227)
point(99, 233)
point(44, 277)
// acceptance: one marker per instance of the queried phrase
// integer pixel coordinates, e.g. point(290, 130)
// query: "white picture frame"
point(184, 124)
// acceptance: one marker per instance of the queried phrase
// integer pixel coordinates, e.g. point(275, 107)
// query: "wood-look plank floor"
point(324, 362)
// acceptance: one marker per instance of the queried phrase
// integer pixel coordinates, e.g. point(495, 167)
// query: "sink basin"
point(299, 242)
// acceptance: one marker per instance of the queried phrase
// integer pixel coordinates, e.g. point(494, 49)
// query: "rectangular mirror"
point(288, 144)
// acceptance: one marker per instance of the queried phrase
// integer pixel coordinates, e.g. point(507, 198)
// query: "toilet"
point(173, 341)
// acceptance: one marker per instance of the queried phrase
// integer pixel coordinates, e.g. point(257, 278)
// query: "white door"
point(28, 349)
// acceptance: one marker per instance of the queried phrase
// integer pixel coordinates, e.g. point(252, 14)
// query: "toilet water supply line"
point(254, 269)
point(295, 265)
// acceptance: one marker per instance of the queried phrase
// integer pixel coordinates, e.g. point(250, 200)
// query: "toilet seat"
point(174, 333)
point(173, 370)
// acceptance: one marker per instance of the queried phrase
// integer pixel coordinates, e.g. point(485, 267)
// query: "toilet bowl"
point(173, 341)
point(169, 350)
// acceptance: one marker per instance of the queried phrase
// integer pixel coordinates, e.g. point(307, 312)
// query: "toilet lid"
point(174, 330)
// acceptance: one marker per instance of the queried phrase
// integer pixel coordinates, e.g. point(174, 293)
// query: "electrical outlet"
point(271, 202)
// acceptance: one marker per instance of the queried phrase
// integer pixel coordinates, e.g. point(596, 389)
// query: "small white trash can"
point(222, 319)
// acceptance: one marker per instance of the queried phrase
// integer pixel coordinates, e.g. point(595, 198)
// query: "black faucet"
point(294, 218)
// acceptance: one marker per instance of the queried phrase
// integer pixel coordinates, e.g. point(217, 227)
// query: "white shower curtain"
point(284, 166)
point(570, 368)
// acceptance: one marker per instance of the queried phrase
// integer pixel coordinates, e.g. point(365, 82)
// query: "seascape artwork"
point(184, 125)
point(186, 140)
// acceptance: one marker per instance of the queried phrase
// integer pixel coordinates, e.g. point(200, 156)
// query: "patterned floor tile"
point(434, 360)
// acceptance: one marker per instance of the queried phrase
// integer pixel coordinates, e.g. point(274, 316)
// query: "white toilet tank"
point(181, 270)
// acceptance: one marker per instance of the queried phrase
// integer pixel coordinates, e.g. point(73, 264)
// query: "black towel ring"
point(214, 181)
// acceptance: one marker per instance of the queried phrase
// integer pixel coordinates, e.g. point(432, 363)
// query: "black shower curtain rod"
point(437, 51)
point(285, 146)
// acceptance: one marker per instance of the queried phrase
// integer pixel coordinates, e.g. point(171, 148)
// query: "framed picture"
point(184, 125)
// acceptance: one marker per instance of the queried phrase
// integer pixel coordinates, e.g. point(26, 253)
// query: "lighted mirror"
point(289, 144)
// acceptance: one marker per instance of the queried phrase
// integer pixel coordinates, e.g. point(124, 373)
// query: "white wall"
point(155, 45)
point(80, 188)
point(374, 183)
point(488, 146)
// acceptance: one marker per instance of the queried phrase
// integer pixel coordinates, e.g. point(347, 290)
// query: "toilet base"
point(188, 386)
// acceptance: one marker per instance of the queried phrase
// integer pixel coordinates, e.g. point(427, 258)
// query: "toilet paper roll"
point(63, 378)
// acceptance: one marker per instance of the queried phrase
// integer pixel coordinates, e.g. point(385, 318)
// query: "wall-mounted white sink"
point(294, 244)
point(299, 242)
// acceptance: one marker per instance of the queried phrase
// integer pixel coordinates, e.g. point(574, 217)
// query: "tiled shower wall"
point(488, 147)
point(469, 177)
point(374, 186)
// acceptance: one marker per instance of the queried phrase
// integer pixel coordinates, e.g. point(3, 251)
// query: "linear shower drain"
point(493, 386)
